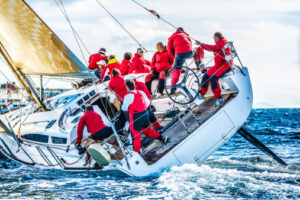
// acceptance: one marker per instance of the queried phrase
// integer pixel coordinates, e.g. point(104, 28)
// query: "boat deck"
point(182, 126)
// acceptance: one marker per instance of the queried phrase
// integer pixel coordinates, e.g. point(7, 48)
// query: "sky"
point(265, 33)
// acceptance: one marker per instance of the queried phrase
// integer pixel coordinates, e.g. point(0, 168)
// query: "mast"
point(22, 79)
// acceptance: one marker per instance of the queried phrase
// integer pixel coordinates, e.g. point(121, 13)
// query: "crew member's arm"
point(103, 72)
point(145, 90)
point(216, 47)
point(128, 99)
point(153, 61)
point(133, 65)
point(147, 100)
point(80, 129)
point(170, 48)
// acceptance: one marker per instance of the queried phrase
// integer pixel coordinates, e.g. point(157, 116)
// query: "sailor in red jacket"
point(139, 64)
point(117, 84)
point(161, 63)
point(136, 103)
point(180, 47)
point(126, 64)
point(94, 124)
point(139, 85)
point(94, 59)
point(221, 66)
point(112, 64)
point(142, 87)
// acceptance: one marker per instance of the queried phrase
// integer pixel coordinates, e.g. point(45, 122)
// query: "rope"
point(154, 13)
point(77, 38)
point(122, 26)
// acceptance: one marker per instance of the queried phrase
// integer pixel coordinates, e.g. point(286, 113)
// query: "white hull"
point(195, 148)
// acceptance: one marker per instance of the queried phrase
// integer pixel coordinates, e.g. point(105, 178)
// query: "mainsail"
point(31, 44)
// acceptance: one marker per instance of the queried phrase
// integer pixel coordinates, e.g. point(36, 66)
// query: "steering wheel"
point(186, 89)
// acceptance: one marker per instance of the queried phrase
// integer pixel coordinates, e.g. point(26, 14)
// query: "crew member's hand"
point(77, 146)
point(203, 70)
point(198, 42)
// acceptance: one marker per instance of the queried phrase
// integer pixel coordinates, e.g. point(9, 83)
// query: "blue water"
point(236, 171)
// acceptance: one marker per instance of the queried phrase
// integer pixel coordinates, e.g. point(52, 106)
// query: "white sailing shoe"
point(219, 101)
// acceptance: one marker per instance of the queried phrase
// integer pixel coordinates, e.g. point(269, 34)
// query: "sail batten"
point(31, 44)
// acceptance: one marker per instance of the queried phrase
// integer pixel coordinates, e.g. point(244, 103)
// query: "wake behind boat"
point(43, 134)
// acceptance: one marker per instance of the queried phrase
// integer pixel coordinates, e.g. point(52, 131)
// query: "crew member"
point(117, 84)
point(221, 66)
point(94, 124)
point(136, 103)
point(126, 63)
point(94, 59)
point(180, 47)
point(161, 63)
point(142, 87)
point(139, 64)
point(112, 64)
point(139, 85)
point(198, 57)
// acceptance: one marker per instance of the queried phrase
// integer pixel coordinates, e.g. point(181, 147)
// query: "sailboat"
point(43, 133)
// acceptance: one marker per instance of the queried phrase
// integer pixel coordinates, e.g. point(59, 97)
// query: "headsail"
point(31, 44)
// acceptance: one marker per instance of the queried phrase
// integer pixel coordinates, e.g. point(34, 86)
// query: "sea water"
point(236, 171)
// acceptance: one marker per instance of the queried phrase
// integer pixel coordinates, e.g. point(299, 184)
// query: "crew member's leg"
point(148, 130)
point(136, 124)
point(177, 66)
point(161, 82)
point(97, 74)
point(153, 119)
point(149, 78)
point(103, 133)
point(204, 84)
point(215, 87)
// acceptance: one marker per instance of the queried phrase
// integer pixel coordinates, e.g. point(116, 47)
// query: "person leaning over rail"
point(95, 126)
point(136, 103)
point(221, 66)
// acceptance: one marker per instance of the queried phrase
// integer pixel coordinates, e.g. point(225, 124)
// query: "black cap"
point(103, 49)
point(140, 50)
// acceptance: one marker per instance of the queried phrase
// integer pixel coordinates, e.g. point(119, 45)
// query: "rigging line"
point(66, 15)
point(122, 26)
point(62, 9)
point(154, 13)
point(159, 17)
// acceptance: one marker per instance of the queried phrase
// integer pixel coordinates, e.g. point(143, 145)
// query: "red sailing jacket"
point(218, 53)
point(138, 104)
point(113, 63)
point(179, 42)
point(117, 84)
point(142, 86)
point(94, 58)
point(161, 61)
point(139, 65)
point(92, 121)
point(199, 55)
point(125, 66)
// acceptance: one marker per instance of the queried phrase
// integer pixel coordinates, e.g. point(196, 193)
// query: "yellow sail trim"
point(30, 43)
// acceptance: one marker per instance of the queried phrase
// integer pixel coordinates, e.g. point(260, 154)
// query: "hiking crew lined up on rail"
point(135, 96)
